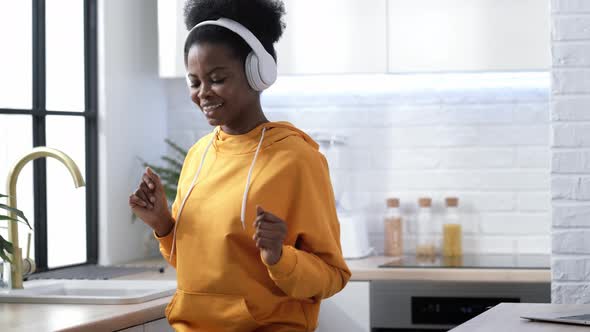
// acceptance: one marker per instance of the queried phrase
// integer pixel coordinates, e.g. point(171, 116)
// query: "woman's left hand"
point(269, 235)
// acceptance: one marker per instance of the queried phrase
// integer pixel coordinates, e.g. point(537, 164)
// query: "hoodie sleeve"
point(314, 267)
point(166, 240)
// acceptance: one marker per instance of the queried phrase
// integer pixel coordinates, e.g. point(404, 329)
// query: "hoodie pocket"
point(209, 312)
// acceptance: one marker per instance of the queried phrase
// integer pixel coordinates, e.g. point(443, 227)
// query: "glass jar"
point(393, 242)
point(426, 232)
point(452, 229)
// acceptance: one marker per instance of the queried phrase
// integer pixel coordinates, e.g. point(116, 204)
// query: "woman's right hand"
point(149, 203)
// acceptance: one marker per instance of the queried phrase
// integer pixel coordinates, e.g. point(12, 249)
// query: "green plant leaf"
point(17, 212)
point(173, 162)
point(6, 244)
point(4, 256)
point(177, 148)
point(170, 179)
point(7, 247)
point(8, 218)
point(170, 193)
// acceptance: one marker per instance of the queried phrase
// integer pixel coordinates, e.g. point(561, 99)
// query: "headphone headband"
point(266, 64)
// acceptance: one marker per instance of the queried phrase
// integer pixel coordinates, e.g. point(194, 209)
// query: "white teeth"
point(211, 107)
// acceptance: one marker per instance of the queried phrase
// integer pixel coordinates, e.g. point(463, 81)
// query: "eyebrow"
point(210, 71)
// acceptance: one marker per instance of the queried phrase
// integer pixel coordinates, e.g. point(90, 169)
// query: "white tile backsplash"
point(482, 138)
point(534, 201)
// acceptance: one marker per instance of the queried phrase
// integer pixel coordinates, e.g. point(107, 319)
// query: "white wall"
point(482, 137)
point(132, 119)
point(570, 151)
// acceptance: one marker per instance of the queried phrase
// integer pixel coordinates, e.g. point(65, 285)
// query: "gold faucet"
point(16, 275)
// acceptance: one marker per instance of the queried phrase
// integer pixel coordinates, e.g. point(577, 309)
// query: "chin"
point(214, 122)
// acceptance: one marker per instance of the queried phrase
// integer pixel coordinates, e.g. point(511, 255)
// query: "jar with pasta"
point(452, 229)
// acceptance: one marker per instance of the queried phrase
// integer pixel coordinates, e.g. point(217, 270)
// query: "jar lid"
point(424, 201)
point(393, 202)
point(452, 201)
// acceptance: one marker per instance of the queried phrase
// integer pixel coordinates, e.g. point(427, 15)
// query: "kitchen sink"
point(89, 291)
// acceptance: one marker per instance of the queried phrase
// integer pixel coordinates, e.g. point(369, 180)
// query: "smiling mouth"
point(210, 108)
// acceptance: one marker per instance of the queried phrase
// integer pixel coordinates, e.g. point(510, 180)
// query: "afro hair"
point(262, 17)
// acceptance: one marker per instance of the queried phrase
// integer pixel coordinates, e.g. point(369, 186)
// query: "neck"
point(246, 123)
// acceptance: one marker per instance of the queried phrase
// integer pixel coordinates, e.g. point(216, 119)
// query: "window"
point(48, 97)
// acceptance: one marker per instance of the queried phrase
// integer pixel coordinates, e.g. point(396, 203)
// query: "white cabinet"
point(321, 37)
point(333, 37)
point(468, 35)
point(347, 310)
point(160, 325)
point(391, 36)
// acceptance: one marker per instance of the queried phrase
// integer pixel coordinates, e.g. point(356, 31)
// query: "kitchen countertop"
point(29, 317)
point(506, 317)
point(23, 317)
point(368, 269)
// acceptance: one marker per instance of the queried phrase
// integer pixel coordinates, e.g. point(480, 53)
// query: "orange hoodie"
point(223, 284)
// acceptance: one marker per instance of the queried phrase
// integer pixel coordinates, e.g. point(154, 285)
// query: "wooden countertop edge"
point(148, 311)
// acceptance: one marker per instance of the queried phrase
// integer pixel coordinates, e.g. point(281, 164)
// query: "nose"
point(204, 90)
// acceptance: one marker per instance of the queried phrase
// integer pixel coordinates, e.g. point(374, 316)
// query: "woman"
point(253, 232)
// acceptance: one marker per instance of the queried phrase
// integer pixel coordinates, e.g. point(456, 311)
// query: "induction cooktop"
point(472, 261)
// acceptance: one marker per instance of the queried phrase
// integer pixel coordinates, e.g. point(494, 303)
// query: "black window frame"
point(39, 112)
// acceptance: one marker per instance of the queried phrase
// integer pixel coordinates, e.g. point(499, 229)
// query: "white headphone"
point(260, 66)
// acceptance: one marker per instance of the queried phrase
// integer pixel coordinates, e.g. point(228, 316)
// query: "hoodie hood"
point(248, 143)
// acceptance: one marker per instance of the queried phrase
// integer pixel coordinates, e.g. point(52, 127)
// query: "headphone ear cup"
point(252, 70)
point(188, 81)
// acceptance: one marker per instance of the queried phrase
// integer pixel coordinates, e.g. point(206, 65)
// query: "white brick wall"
point(570, 151)
point(488, 146)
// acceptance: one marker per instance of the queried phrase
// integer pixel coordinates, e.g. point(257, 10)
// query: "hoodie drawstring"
point(189, 191)
point(246, 189)
point(243, 214)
